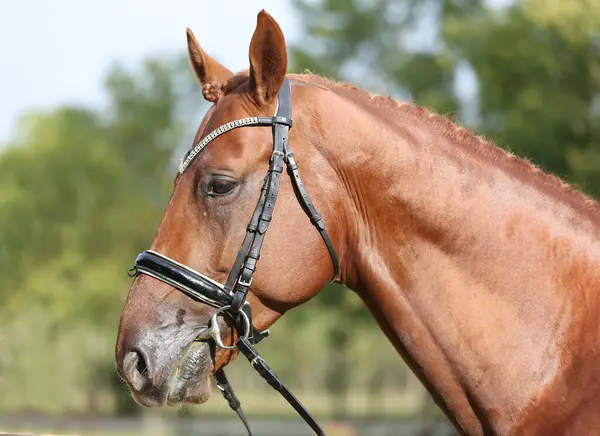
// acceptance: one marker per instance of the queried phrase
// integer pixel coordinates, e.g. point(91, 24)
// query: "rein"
point(230, 299)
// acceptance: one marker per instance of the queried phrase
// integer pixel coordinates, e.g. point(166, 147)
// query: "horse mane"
point(518, 166)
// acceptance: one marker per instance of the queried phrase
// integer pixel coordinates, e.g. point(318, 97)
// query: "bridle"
point(230, 299)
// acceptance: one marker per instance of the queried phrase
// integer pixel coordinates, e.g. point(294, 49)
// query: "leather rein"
point(230, 299)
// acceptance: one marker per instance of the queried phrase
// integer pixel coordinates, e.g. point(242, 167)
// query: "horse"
point(481, 269)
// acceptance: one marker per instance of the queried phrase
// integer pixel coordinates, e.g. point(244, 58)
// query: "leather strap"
point(232, 399)
point(188, 281)
point(281, 125)
point(309, 207)
point(259, 364)
point(250, 231)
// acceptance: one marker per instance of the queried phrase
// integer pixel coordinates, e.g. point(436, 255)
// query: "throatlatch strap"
point(309, 207)
point(232, 399)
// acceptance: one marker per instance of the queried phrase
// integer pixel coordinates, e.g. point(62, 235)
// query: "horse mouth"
point(191, 380)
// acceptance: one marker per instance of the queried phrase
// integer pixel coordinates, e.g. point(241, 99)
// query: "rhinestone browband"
point(191, 155)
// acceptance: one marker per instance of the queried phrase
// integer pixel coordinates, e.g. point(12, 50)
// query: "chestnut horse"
point(483, 271)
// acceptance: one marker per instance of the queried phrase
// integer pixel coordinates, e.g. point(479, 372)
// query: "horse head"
point(164, 349)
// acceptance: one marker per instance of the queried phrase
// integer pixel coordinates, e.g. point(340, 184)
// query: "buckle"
point(243, 283)
point(277, 153)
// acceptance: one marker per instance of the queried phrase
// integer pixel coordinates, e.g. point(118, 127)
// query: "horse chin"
point(191, 383)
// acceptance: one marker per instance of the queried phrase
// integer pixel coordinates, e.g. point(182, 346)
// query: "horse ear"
point(268, 59)
point(208, 70)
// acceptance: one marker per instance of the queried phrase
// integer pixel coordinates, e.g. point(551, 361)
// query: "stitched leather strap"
point(250, 231)
point(232, 399)
point(259, 364)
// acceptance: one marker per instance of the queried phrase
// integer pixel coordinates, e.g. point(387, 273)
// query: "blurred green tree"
point(81, 193)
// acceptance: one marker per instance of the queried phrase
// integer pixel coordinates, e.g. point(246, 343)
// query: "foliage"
point(81, 192)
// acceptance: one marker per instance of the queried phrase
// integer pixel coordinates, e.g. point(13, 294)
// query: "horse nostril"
point(141, 365)
point(136, 369)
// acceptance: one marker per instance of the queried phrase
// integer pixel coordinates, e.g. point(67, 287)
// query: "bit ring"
point(216, 332)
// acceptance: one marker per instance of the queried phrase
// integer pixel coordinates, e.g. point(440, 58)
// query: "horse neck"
point(473, 272)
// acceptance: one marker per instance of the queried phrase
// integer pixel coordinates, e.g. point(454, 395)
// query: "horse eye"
point(219, 186)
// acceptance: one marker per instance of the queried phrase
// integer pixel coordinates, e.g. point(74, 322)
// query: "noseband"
point(230, 299)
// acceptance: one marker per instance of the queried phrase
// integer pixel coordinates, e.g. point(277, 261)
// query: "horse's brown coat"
point(481, 270)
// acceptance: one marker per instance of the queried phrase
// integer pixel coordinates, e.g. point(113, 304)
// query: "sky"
point(57, 52)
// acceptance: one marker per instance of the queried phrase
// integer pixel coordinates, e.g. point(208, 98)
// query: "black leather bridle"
point(230, 299)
